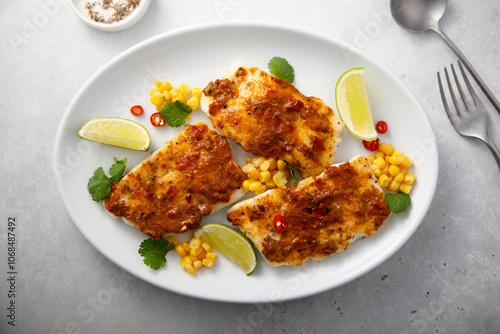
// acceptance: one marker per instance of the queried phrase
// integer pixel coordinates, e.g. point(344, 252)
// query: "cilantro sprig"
point(398, 202)
point(175, 114)
point(99, 185)
point(281, 68)
point(153, 252)
point(294, 178)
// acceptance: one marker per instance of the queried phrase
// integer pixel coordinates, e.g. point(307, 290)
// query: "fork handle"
point(472, 71)
point(494, 150)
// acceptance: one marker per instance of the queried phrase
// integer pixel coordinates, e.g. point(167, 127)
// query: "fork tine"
point(443, 98)
point(460, 110)
point(477, 102)
point(466, 101)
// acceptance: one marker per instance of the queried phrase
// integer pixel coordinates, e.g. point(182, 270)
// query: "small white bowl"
point(127, 22)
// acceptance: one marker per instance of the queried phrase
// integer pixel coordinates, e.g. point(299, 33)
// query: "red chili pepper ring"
point(279, 223)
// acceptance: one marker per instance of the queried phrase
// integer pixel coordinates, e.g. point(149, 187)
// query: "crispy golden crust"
point(178, 185)
point(268, 116)
point(324, 214)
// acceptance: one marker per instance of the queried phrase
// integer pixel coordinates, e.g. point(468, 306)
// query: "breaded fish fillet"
point(268, 116)
point(190, 177)
point(323, 214)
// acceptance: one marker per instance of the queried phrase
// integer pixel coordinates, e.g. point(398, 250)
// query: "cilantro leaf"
point(99, 185)
point(398, 202)
point(281, 68)
point(154, 250)
point(175, 114)
point(291, 171)
point(117, 169)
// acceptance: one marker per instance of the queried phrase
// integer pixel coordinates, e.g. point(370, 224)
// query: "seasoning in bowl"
point(109, 11)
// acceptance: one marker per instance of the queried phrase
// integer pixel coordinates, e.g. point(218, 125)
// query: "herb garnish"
point(175, 114)
point(291, 171)
point(281, 68)
point(99, 185)
point(398, 202)
point(154, 250)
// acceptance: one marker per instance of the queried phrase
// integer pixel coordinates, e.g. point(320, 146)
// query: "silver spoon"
point(423, 15)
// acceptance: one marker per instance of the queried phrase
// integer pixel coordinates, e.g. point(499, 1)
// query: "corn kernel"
point(185, 245)
point(265, 176)
point(166, 86)
point(174, 92)
point(246, 184)
point(380, 163)
point(403, 170)
point(167, 96)
point(258, 161)
point(157, 98)
point(395, 160)
point(254, 173)
point(280, 164)
point(388, 149)
point(195, 243)
point(397, 153)
point(409, 179)
point(158, 82)
point(158, 107)
point(407, 162)
point(172, 239)
point(180, 97)
point(185, 261)
point(405, 188)
point(196, 91)
point(272, 163)
point(206, 246)
point(201, 255)
point(383, 180)
point(249, 160)
point(207, 263)
point(211, 256)
point(371, 158)
point(377, 171)
point(261, 190)
point(379, 154)
point(373, 167)
point(153, 91)
point(270, 184)
point(193, 102)
point(184, 89)
point(197, 264)
point(280, 179)
point(193, 257)
point(399, 177)
point(255, 185)
point(265, 165)
point(190, 269)
point(180, 250)
point(196, 251)
point(393, 186)
point(393, 170)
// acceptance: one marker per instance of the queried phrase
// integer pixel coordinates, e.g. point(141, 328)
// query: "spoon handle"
point(464, 60)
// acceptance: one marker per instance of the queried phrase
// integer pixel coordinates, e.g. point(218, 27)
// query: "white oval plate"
point(196, 56)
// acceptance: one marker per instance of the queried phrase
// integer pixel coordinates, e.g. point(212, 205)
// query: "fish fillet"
point(268, 116)
point(324, 214)
point(190, 177)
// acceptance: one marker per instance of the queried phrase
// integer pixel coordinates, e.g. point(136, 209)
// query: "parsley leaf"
point(398, 202)
point(154, 250)
point(99, 185)
point(291, 171)
point(175, 114)
point(281, 68)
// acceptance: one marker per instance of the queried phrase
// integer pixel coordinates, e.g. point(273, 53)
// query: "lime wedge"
point(116, 131)
point(231, 243)
point(352, 104)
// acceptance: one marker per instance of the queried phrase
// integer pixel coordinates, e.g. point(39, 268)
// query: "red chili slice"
point(279, 223)
point(371, 145)
point(381, 127)
point(136, 110)
point(157, 120)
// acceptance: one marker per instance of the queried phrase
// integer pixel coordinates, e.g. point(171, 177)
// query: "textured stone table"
point(444, 279)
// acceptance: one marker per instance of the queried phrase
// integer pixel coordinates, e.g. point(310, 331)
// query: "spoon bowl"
point(418, 15)
point(423, 15)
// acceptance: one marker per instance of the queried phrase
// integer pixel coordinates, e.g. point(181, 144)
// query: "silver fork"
point(471, 121)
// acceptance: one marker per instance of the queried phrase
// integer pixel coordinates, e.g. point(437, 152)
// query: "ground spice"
point(109, 11)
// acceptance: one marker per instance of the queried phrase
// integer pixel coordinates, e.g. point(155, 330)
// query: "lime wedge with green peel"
point(116, 131)
point(353, 106)
point(231, 243)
